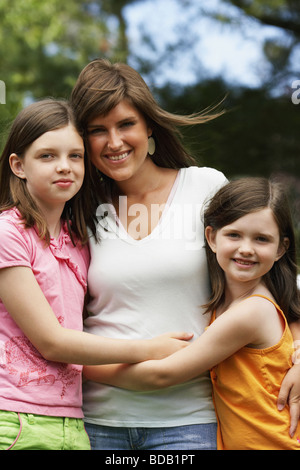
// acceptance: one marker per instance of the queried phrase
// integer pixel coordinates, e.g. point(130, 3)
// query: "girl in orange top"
point(249, 345)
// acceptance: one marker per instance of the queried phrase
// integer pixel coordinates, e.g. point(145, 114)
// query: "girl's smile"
point(244, 263)
point(247, 249)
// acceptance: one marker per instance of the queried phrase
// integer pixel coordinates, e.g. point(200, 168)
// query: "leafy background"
point(44, 46)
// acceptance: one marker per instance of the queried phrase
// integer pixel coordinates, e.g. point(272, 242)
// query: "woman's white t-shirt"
point(143, 288)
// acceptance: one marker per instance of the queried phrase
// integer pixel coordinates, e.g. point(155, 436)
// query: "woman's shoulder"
point(204, 174)
point(202, 181)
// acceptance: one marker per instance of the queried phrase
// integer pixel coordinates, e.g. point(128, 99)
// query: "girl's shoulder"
point(11, 218)
point(255, 306)
point(264, 302)
point(17, 243)
point(249, 313)
point(267, 318)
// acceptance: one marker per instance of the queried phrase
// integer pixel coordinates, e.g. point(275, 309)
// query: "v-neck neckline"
point(116, 225)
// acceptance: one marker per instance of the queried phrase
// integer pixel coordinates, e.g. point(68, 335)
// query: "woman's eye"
point(96, 131)
point(128, 124)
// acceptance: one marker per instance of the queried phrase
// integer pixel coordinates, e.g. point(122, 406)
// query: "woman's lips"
point(117, 158)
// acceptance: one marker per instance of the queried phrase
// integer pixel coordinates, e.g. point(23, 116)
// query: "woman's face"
point(118, 142)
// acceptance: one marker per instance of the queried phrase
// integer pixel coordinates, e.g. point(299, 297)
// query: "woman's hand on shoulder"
point(289, 394)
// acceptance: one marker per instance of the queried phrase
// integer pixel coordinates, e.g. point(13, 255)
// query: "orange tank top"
point(245, 391)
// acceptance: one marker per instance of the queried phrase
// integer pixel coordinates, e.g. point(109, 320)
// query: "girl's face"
point(118, 142)
point(53, 167)
point(247, 249)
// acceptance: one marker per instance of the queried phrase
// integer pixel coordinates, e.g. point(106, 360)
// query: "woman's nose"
point(114, 140)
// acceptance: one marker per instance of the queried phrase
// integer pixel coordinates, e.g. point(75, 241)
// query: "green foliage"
point(281, 13)
point(40, 39)
point(44, 46)
point(258, 135)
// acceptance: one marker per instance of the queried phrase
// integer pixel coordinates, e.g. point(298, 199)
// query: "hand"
point(290, 394)
point(169, 343)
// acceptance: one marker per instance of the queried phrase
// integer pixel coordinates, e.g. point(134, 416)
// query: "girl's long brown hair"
point(241, 197)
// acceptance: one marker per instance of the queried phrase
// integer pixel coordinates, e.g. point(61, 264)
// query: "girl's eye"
point(262, 239)
point(232, 235)
point(76, 156)
point(46, 156)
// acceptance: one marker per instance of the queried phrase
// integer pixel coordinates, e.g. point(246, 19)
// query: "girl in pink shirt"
point(44, 257)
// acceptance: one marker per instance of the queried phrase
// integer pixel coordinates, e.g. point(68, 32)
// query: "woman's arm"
point(27, 305)
point(228, 334)
point(290, 388)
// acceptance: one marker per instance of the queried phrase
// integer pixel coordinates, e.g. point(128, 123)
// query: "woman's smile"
point(118, 157)
point(118, 142)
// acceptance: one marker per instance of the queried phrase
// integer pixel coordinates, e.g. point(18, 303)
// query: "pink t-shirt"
point(29, 383)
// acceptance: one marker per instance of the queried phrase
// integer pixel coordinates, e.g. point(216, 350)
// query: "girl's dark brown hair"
point(235, 200)
point(31, 123)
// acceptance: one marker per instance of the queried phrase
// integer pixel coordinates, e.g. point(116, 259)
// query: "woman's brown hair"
point(235, 200)
point(33, 121)
point(102, 85)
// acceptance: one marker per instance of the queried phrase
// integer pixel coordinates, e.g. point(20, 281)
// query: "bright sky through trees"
point(233, 51)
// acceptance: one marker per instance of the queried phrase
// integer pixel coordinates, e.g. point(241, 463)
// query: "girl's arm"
point(229, 333)
point(27, 305)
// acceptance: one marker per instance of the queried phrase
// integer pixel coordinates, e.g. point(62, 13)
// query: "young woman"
point(249, 346)
point(146, 270)
point(44, 259)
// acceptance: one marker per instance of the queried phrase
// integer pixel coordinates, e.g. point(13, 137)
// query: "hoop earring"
point(151, 145)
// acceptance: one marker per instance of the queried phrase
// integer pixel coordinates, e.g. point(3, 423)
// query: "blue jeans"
point(194, 437)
